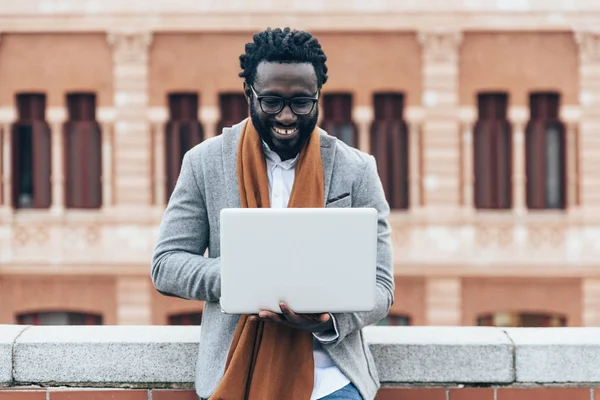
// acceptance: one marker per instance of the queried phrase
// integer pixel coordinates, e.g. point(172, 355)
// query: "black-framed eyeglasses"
point(274, 104)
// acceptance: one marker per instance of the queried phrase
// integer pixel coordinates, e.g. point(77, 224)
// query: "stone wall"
point(435, 363)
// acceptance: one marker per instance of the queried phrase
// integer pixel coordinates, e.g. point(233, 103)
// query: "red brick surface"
point(22, 394)
point(544, 394)
point(97, 394)
point(472, 394)
point(411, 394)
point(174, 395)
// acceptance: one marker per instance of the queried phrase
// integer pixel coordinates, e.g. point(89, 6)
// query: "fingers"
point(270, 316)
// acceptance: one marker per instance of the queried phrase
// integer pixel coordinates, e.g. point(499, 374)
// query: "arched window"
point(83, 153)
point(59, 318)
point(183, 131)
point(191, 318)
point(395, 320)
point(545, 153)
point(492, 153)
point(389, 146)
point(234, 109)
point(524, 320)
point(31, 166)
point(337, 117)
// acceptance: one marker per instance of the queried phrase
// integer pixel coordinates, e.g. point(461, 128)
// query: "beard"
point(288, 148)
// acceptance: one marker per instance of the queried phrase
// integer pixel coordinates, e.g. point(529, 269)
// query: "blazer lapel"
point(231, 138)
point(327, 158)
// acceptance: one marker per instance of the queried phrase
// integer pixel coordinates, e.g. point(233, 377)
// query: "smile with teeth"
point(285, 131)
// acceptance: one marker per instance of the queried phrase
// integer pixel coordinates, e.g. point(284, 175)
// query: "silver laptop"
point(314, 259)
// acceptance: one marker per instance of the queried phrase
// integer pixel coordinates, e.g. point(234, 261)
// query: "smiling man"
point(276, 158)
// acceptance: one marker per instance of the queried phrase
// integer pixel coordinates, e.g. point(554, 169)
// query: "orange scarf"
point(267, 360)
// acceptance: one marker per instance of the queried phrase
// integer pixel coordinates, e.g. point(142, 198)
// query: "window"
point(233, 108)
point(83, 153)
point(59, 318)
point(522, 320)
point(492, 153)
point(337, 118)
point(194, 318)
point(183, 132)
point(31, 153)
point(389, 146)
point(545, 153)
point(395, 320)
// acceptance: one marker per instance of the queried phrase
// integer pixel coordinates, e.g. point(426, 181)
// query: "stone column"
point(468, 117)
point(589, 99)
point(134, 300)
point(518, 117)
point(57, 117)
point(414, 120)
point(132, 139)
point(571, 116)
point(158, 118)
point(106, 118)
point(5, 165)
point(363, 117)
point(209, 117)
point(443, 301)
point(591, 302)
point(441, 128)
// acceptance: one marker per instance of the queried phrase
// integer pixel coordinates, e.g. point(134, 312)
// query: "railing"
point(436, 359)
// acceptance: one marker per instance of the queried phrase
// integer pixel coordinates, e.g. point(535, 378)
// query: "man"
point(277, 158)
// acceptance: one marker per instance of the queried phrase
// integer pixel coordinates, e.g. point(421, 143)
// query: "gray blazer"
point(208, 183)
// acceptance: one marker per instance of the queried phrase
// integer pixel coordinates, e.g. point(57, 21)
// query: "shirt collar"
point(274, 158)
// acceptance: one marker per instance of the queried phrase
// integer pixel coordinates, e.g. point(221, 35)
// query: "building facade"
point(484, 117)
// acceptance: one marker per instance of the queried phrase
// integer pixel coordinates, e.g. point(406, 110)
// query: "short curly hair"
point(286, 46)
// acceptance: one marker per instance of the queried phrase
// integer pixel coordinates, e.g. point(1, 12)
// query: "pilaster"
point(414, 119)
point(591, 302)
point(133, 300)
point(468, 117)
point(132, 139)
point(363, 117)
point(441, 142)
point(57, 117)
point(443, 301)
point(518, 117)
point(589, 98)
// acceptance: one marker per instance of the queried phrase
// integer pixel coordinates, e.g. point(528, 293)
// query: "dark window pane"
point(83, 153)
point(389, 146)
point(31, 153)
point(395, 320)
point(492, 147)
point(337, 118)
point(233, 108)
point(545, 153)
point(183, 131)
point(522, 320)
point(194, 318)
point(59, 318)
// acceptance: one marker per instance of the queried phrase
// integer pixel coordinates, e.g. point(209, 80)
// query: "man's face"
point(285, 133)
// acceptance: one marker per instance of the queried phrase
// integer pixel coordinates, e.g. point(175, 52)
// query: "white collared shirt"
point(328, 377)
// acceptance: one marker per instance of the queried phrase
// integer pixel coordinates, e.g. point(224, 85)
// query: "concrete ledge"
point(439, 355)
point(556, 355)
point(8, 335)
point(165, 356)
point(106, 354)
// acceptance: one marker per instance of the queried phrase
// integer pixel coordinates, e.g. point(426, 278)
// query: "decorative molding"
point(129, 47)
point(440, 46)
point(589, 45)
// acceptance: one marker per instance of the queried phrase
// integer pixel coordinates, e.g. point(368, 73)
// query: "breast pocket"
point(341, 201)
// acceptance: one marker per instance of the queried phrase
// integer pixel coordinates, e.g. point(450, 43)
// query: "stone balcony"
point(158, 362)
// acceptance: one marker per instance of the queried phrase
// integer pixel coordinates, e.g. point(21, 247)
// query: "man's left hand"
point(307, 322)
